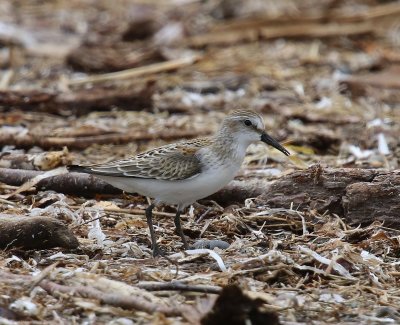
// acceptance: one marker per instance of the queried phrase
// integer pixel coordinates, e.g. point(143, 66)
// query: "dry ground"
point(92, 81)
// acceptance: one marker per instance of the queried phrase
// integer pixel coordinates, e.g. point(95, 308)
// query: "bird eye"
point(247, 123)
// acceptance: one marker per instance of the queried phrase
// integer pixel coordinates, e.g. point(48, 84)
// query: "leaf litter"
point(333, 100)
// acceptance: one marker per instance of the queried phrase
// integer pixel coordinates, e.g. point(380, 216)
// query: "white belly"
point(181, 192)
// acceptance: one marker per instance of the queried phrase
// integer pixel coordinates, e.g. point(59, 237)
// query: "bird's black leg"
point(177, 221)
point(149, 214)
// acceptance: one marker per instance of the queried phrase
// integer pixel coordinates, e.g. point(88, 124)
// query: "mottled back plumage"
point(175, 161)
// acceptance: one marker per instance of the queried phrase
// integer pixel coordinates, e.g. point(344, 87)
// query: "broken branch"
point(118, 300)
point(140, 71)
point(310, 30)
point(178, 286)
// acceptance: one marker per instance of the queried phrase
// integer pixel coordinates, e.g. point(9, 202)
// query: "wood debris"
point(34, 233)
point(313, 238)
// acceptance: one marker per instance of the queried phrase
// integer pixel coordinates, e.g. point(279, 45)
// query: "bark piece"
point(141, 29)
point(315, 187)
point(238, 191)
point(361, 196)
point(34, 233)
point(134, 97)
point(80, 101)
point(7, 313)
point(72, 183)
point(234, 307)
point(379, 200)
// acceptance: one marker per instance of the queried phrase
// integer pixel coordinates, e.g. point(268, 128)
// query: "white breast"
point(181, 192)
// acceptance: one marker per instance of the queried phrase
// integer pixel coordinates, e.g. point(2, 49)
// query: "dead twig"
point(178, 286)
point(124, 212)
point(316, 30)
point(42, 275)
point(137, 72)
point(372, 13)
point(375, 12)
point(117, 300)
point(310, 30)
point(129, 211)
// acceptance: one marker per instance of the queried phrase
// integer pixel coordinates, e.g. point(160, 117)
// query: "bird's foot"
point(157, 251)
point(185, 244)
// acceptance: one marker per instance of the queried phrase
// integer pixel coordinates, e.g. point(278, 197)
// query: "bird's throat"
point(229, 149)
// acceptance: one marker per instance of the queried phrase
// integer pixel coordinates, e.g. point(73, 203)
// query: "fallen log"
point(238, 191)
point(88, 185)
point(80, 101)
point(73, 183)
point(360, 196)
point(316, 188)
point(34, 233)
point(379, 200)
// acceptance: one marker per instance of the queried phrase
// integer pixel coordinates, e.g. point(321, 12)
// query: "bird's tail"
point(79, 169)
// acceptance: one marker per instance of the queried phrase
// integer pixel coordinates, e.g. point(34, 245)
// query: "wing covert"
point(171, 162)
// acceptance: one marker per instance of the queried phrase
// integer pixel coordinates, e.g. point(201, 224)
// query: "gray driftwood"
point(360, 196)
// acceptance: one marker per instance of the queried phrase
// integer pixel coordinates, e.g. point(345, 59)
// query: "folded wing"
point(171, 162)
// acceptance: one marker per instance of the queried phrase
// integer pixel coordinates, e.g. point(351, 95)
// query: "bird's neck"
point(229, 148)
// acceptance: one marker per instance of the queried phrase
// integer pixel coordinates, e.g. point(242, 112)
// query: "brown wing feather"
point(171, 162)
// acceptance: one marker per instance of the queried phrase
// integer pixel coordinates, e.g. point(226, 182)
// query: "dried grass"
point(306, 266)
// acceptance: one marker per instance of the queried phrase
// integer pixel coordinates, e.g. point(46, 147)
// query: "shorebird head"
point(248, 127)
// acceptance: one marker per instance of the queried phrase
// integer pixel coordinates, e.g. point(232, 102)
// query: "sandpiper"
point(184, 172)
